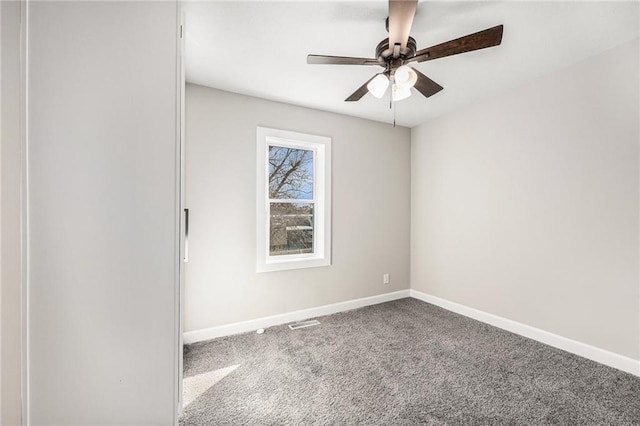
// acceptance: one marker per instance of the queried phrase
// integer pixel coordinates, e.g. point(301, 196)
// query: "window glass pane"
point(290, 173)
point(291, 228)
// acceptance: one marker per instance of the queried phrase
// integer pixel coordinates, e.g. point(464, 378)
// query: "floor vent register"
point(303, 324)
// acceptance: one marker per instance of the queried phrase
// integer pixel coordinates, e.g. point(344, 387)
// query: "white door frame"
point(24, 226)
point(181, 215)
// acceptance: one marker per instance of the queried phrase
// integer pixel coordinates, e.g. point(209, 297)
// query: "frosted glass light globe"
point(399, 93)
point(405, 76)
point(378, 85)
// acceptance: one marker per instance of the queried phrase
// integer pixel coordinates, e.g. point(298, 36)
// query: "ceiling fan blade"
point(401, 13)
point(358, 94)
point(425, 85)
point(480, 40)
point(340, 60)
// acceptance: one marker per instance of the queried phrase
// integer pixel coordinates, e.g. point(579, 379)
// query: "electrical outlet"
point(385, 278)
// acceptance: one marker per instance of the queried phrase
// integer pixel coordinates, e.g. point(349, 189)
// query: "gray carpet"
point(401, 363)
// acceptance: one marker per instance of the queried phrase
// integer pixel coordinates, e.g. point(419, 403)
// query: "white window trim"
point(321, 145)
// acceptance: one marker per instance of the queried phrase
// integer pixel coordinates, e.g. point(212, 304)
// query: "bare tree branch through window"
point(290, 173)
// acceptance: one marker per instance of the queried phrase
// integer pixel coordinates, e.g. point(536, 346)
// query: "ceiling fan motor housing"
point(384, 53)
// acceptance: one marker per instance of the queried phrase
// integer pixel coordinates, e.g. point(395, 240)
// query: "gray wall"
point(102, 212)
point(10, 308)
point(370, 210)
point(526, 205)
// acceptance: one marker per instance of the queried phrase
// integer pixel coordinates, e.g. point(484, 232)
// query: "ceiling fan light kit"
point(396, 52)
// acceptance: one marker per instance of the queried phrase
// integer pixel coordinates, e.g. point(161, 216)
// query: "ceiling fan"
point(396, 52)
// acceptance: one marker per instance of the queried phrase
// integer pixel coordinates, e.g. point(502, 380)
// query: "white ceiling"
point(259, 48)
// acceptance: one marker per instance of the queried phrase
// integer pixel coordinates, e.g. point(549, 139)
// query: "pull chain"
point(392, 106)
point(394, 115)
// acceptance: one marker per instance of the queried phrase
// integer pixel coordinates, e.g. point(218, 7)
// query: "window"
point(293, 200)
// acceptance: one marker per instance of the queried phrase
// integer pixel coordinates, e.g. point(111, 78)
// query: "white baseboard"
point(265, 322)
point(593, 353)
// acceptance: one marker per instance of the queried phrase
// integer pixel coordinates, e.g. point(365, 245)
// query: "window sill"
point(289, 264)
